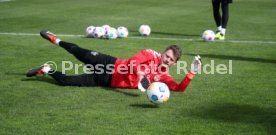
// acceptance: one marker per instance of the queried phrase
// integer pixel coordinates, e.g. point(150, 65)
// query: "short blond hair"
point(177, 52)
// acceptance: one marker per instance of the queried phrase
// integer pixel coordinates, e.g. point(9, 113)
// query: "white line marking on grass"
point(5, 0)
point(198, 39)
point(175, 39)
point(18, 34)
point(147, 38)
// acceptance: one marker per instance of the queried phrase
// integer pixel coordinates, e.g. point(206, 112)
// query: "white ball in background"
point(111, 33)
point(122, 32)
point(208, 35)
point(98, 32)
point(89, 31)
point(106, 27)
point(144, 30)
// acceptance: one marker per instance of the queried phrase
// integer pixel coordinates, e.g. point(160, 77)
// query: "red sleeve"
point(142, 57)
point(173, 86)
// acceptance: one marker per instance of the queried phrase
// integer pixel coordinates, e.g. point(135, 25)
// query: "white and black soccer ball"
point(122, 32)
point(98, 32)
point(110, 33)
point(144, 30)
point(89, 31)
point(158, 93)
point(208, 35)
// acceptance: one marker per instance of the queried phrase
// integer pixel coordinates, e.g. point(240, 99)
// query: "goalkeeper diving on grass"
point(139, 71)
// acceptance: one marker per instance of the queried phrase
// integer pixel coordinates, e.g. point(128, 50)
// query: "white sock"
point(46, 69)
point(57, 41)
point(223, 30)
point(219, 28)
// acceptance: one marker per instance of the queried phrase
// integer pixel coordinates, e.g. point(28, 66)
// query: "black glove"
point(143, 84)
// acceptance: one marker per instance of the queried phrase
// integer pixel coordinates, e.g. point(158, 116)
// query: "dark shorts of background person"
point(222, 1)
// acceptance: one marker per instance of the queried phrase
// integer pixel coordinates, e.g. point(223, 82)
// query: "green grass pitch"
point(241, 103)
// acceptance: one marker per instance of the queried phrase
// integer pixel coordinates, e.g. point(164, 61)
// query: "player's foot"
point(49, 36)
point(221, 37)
point(217, 34)
point(38, 71)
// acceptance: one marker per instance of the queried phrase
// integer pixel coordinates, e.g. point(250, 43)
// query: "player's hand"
point(196, 65)
point(143, 84)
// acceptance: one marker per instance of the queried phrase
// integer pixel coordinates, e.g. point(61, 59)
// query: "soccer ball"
point(111, 33)
point(89, 31)
point(106, 27)
point(208, 35)
point(122, 32)
point(158, 93)
point(98, 32)
point(144, 30)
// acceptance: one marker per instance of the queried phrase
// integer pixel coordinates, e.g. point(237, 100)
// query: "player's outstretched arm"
point(181, 87)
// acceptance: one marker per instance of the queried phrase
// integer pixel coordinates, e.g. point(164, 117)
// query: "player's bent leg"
point(77, 80)
point(62, 79)
point(44, 69)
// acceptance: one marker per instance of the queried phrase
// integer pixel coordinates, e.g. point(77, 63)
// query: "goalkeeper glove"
point(143, 84)
point(196, 65)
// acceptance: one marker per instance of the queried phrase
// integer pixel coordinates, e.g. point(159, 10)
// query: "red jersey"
point(147, 61)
